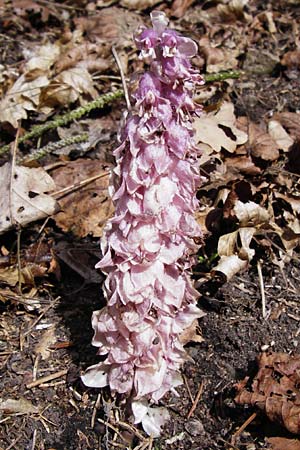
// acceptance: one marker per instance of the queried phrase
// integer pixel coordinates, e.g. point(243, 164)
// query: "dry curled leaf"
point(211, 129)
point(84, 210)
point(275, 389)
point(44, 343)
point(250, 213)
point(280, 443)
point(138, 4)
point(179, 7)
point(237, 243)
point(218, 59)
point(20, 406)
point(290, 121)
point(280, 136)
point(230, 265)
point(23, 195)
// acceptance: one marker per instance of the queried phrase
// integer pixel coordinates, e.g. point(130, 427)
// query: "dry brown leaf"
point(86, 210)
point(291, 59)
point(242, 164)
point(23, 195)
point(44, 343)
point(290, 121)
point(237, 243)
point(20, 406)
point(192, 333)
point(23, 7)
point(230, 266)
point(294, 202)
point(208, 129)
point(10, 275)
point(234, 10)
point(23, 96)
point(112, 24)
point(41, 59)
point(261, 144)
point(218, 59)
point(179, 7)
point(138, 4)
point(275, 389)
point(280, 443)
point(280, 136)
point(67, 87)
point(250, 213)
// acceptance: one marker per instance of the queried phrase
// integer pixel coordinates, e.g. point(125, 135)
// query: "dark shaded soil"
point(234, 333)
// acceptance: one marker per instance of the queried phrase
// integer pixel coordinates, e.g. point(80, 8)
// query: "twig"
point(95, 409)
point(47, 378)
point(242, 427)
point(194, 405)
point(19, 263)
point(73, 187)
point(188, 388)
point(14, 442)
point(116, 56)
point(33, 440)
point(37, 130)
point(262, 290)
point(132, 429)
point(109, 425)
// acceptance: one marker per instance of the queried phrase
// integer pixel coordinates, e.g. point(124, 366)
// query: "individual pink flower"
point(148, 245)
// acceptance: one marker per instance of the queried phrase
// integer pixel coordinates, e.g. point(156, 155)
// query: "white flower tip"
point(152, 419)
point(159, 21)
point(96, 376)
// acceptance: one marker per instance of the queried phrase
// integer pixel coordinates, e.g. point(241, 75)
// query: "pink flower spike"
point(148, 246)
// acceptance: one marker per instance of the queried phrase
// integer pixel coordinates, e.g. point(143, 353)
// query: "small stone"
point(194, 427)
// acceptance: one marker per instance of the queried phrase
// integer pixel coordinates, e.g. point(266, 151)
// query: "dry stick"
point(132, 429)
point(33, 440)
point(95, 409)
point(116, 56)
point(14, 443)
point(107, 424)
point(52, 376)
point(194, 405)
point(262, 290)
point(73, 187)
point(188, 388)
point(242, 427)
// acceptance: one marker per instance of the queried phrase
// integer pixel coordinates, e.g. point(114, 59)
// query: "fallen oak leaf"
point(23, 195)
point(84, 202)
point(20, 406)
point(275, 389)
point(280, 443)
point(208, 129)
point(229, 266)
point(280, 136)
point(290, 121)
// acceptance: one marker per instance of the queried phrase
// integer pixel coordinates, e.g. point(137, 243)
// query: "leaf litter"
point(249, 199)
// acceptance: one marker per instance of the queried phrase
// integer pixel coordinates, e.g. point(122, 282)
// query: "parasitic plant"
point(148, 245)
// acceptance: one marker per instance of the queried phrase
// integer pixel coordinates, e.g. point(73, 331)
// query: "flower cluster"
point(148, 244)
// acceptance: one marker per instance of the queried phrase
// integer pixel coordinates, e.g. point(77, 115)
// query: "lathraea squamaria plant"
point(149, 243)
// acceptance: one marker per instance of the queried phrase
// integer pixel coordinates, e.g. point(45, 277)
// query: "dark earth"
point(68, 416)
